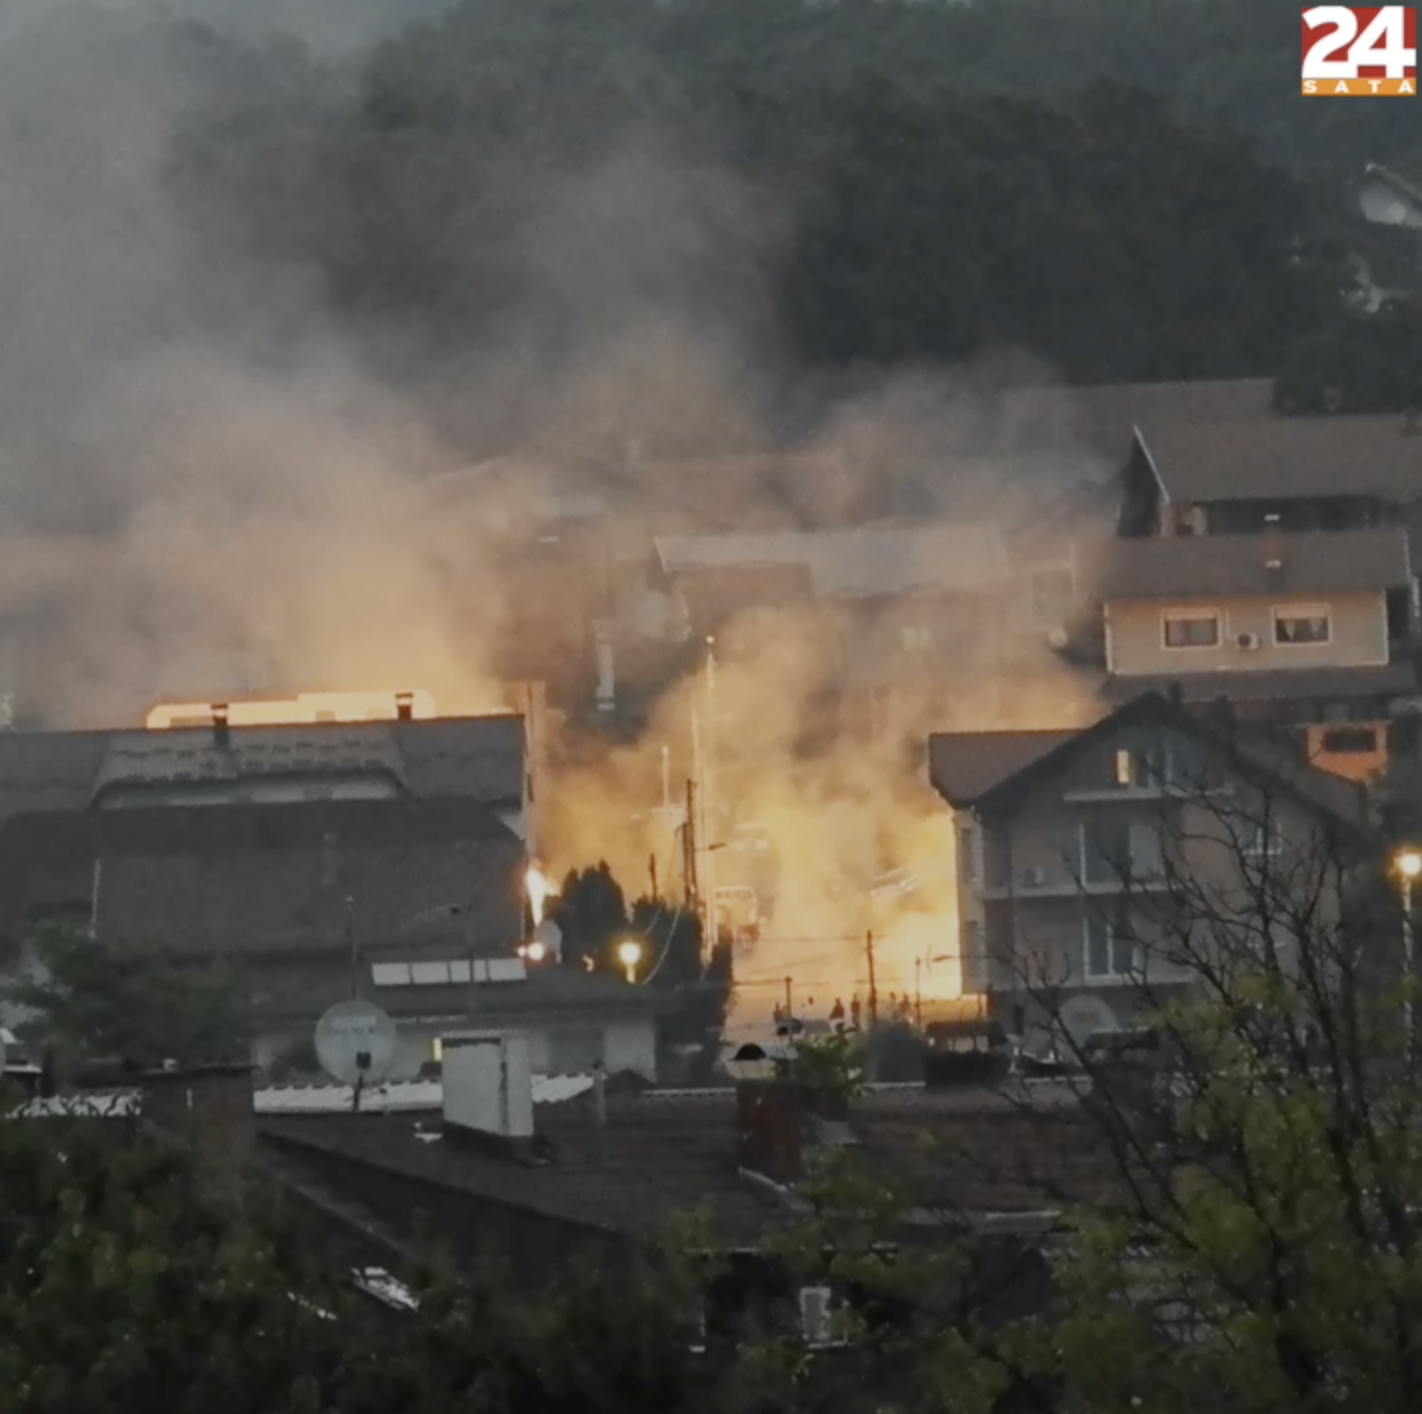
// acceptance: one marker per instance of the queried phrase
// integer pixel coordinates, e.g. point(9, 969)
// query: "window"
point(429, 974)
point(1350, 741)
point(390, 974)
point(1117, 851)
point(1261, 839)
point(1193, 628)
point(1141, 766)
point(1310, 623)
point(1111, 951)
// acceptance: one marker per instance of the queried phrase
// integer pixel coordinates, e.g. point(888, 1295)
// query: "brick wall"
point(209, 1111)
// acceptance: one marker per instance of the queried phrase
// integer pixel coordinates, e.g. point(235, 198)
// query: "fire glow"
point(539, 888)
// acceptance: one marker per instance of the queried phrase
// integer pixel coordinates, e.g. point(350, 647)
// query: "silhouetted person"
point(837, 1010)
point(855, 1011)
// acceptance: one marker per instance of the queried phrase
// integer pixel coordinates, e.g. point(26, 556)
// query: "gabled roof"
point(958, 776)
point(1271, 456)
point(868, 561)
point(1326, 562)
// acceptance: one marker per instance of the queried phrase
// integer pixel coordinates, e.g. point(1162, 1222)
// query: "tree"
point(1262, 1250)
point(118, 1002)
point(591, 910)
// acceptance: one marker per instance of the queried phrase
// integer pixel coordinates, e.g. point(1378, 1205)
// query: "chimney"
point(487, 1078)
point(221, 730)
point(1273, 544)
point(208, 1110)
point(770, 1116)
point(404, 706)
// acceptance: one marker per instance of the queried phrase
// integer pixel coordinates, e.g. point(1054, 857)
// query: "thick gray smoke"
point(206, 489)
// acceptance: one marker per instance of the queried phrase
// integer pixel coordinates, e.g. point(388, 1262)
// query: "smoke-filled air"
point(214, 483)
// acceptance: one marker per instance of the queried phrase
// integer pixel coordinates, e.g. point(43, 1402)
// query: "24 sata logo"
point(1360, 50)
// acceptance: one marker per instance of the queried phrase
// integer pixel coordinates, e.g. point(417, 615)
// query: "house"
point(1078, 851)
point(1313, 631)
point(1245, 470)
point(573, 1021)
point(285, 849)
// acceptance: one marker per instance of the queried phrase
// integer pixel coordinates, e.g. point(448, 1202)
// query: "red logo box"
point(1360, 51)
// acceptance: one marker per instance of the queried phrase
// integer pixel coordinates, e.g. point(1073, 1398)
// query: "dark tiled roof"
point(965, 766)
point(1324, 563)
point(479, 758)
point(1270, 456)
point(473, 757)
point(1276, 685)
point(663, 1154)
point(954, 774)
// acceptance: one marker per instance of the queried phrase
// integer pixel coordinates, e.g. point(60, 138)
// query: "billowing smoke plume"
point(206, 489)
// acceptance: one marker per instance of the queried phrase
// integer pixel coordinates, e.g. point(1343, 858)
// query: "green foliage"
point(118, 1293)
point(120, 1002)
point(831, 1065)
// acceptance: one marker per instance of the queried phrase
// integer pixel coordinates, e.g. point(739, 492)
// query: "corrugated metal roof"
point(108, 1104)
point(864, 562)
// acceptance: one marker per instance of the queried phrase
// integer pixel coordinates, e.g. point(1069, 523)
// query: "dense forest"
point(1115, 186)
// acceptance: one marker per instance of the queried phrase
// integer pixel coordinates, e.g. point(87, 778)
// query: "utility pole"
point(688, 850)
point(873, 1007)
point(652, 870)
point(708, 828)
point(918, 992)
point(352, 949)
point(789, 998)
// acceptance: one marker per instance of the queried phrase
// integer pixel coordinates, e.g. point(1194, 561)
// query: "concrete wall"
point(568, 1046)
point(1136, 635)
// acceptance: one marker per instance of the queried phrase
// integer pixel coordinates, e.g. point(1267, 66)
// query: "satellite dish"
point(355, 1043)
point(1082, 1017)
point(1058, 639)
point(550, 937)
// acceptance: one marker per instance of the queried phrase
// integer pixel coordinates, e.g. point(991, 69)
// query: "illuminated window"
point(437, 1049)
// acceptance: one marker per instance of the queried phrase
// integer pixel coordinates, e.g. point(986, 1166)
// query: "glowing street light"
point(534, 951)
point(629, 954)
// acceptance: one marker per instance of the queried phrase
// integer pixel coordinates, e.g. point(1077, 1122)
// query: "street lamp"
point(1408, 863)
point(629, 954)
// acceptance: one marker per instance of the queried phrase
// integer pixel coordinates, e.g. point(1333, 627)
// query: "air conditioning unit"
point(1033, 878)
point(1246, 642)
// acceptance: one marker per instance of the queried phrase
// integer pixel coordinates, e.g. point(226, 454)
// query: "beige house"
point(1315, 625)
point(1080, 854)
